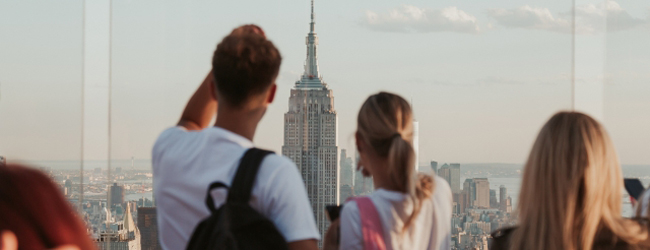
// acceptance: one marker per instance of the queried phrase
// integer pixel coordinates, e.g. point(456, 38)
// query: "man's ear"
point(271, 94)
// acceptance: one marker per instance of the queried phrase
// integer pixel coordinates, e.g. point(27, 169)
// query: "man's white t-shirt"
point(430, 230)
point(186, 162)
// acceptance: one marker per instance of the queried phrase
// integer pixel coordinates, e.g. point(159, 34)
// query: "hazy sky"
point(483, 75)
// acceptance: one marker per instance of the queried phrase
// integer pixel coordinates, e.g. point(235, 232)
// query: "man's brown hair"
point(244, 64)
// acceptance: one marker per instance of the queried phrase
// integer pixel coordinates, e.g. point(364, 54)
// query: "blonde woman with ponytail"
point(570, 196)
point(414, 210)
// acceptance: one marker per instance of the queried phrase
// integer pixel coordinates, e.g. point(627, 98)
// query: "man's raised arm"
point(202, 106)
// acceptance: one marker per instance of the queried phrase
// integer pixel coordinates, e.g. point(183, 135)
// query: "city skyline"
point(482, 77)
point(482, 87)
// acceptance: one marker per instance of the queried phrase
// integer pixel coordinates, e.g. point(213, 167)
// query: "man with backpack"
point(212, 189)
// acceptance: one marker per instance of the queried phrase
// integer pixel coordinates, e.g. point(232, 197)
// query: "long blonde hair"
point(571, 188)
point(385, 123)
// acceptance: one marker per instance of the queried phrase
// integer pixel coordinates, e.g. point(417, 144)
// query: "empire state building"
point(310, 134)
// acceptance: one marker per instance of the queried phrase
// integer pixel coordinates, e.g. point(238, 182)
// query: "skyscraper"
point(503, 193)
point(451, 173)
point(67, 187)
point(310, 133)
point(434, 167)
point(346, 192)
point(469, 187)
point(347, 170)
point(482, 193)
point(462, 201)
point(346, 177)
point(362, 185)
point(454, 177)
point(493, 199)
point(116, 194)
point(148, 225)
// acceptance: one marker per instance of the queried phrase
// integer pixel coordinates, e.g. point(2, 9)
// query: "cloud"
point(527, 17)
point(619, 19)
point(590, 18)
point(412, 19)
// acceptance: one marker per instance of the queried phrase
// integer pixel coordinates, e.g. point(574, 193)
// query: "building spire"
point(311, 78)
point(311, 30)
point(311, 64)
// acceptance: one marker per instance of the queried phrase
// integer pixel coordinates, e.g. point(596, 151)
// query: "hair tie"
point(396, 135)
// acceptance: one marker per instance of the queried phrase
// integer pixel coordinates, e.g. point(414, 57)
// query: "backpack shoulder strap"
point(242, 184)
point(371, 228)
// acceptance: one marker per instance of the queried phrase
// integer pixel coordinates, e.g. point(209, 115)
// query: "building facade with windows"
point(310, 134)
point(148, 226)
point(482, 193)
point(126, 237)
point(451, 173)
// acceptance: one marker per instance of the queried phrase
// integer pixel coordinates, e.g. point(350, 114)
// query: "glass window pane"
point(41, 64)
point(627, 87)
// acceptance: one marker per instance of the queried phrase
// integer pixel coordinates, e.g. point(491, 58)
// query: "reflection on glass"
point(41, 64)
point(482, 77)
point(627, 110)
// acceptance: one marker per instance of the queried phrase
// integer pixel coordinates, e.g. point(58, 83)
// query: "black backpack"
point(236, 225)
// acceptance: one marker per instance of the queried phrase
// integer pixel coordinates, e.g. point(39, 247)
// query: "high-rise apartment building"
point(455, 177)
point(347, 171)
point(310, 133)
point(148, 225)
point(493, 199)
point(462, 201)
point(503, 193)
point(346, 192)
point(346, 180)
point(469, 187)
point(451, 173)
point(482, 193)
point(116, 194)
point(362, 185)
point(67, 187)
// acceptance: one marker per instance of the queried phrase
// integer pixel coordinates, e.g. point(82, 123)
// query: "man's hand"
point(331, 241)
point(202, 107)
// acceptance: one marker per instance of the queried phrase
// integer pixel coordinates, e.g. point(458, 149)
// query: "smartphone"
point(333, 211)
point(634, 187)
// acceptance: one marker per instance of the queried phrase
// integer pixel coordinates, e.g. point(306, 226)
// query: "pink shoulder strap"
point(373, 237)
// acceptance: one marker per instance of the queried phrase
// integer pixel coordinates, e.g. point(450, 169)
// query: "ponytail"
point(385, 123)
point(401, 157)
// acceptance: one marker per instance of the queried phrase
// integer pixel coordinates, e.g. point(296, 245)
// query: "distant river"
point(138, 196)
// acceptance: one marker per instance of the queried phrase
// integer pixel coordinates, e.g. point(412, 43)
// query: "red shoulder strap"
point(373, 236)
